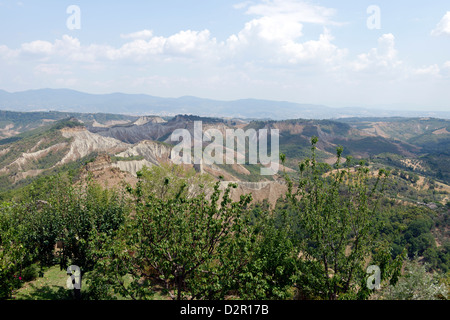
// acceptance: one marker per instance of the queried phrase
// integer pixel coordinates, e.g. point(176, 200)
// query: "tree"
point(14, 256)
point(58, 210)
point(418, 236)
point(335, 214)
point(188, 247)
point(273, 269)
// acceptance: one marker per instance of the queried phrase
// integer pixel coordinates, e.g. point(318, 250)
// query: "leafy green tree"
point(202, 246)
point(188, 247)
point(335, 214)
point(419, 237)
point(390, 269)
point(85, 211)
point(14, 256)
point(58, 210)
point(273, 269)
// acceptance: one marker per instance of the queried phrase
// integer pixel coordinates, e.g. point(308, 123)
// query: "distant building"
point(432, 206)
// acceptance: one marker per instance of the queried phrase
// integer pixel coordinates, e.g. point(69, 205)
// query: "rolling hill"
point(41, 144)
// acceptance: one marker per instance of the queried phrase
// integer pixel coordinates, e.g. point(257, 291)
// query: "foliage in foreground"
point(416, 284)
point(334, 217)
point(175, 234)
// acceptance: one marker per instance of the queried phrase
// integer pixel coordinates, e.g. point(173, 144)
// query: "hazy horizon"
point(393, 107)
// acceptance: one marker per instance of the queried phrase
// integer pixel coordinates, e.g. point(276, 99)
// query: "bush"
point(415, 284)
point(30, 272)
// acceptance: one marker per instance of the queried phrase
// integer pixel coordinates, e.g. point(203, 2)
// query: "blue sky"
point(320, 52)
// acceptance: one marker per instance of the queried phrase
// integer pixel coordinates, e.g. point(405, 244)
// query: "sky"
point(339, 53)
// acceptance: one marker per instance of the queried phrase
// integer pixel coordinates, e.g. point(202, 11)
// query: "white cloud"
point(7, 53)
point(67, 47)
point(299, 11)
point(379, 59)
point(384, 65)
point(186, 44)
point(138, 49)
point(144, 34)
point(242, 5)
point(270, 29)
point(190, 42)
point(443, 27)
point(321, 50)
point(274, 37)
point(432, 70)
point(37, 47)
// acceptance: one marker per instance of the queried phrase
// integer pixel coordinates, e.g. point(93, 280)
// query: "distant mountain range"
point(140, 104)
